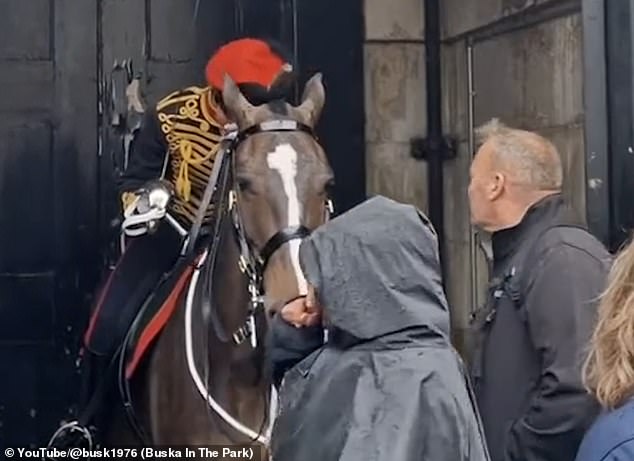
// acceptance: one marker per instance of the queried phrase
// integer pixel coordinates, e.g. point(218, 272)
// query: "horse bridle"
point(252, 261)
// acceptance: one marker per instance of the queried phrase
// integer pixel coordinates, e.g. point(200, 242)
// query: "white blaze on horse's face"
point(284, 160)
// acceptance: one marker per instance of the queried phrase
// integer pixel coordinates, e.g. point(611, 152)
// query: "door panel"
point(48, 119)
point(63, 119)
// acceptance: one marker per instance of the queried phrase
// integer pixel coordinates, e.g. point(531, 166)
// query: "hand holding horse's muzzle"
point(304, 311)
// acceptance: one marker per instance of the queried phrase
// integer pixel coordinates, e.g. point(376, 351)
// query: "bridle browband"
point(272, 126)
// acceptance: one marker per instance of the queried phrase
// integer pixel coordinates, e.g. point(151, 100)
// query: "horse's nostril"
point(273, 307)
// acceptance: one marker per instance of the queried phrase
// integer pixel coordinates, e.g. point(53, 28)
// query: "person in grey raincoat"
point(387, 384)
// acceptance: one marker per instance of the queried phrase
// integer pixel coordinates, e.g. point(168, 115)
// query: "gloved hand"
point(147, 207)
point(154, 194)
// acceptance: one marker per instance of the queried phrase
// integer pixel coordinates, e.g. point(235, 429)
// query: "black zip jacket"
point(533, 334)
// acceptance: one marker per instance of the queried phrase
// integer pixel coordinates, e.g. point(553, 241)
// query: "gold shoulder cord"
point(188, 133)
point(193, 138)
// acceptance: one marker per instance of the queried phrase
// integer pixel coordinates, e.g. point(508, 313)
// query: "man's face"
point(485, 187)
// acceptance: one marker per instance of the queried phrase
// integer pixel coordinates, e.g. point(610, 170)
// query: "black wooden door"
point(61, 139)
point(48, 219)
point(63, 73)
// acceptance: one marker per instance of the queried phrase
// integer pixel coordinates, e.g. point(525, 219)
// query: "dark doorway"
point(64, 68)
point(48, 155)
point(324, 36)
point(619, 20)
point(609, 115)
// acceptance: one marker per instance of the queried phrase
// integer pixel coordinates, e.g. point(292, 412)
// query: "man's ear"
point(497, 186)
point(313, 100)
point(236, 104)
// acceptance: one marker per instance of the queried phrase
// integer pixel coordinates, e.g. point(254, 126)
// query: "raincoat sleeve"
point(147, 156)
point(289, 345)
point(560, 310)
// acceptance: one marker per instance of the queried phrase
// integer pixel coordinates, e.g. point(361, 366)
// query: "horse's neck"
point(233, 375)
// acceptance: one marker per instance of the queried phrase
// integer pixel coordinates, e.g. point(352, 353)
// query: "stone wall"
point(395, 98)
point(527, 71)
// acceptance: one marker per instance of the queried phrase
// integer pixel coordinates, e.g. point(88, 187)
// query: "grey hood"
point(376, 270)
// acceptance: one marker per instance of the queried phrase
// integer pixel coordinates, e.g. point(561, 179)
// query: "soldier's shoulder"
point(179, 97)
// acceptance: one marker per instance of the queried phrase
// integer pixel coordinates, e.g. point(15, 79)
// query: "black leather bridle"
point(253, 261)
point(251, 258)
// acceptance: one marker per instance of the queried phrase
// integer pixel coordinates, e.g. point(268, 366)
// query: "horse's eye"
point(329, 187)
point(244, 184)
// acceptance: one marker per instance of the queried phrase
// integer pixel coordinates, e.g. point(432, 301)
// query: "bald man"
point(547, 273)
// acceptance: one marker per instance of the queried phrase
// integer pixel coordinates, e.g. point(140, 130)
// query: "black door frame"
point(609, 118)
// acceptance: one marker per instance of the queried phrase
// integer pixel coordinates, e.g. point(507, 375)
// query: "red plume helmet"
point(246, 60)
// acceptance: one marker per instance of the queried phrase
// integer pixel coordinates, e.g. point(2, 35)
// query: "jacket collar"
point(539, 215)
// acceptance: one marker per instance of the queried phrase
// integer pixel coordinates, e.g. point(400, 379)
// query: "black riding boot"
point(98, 378)
point(100, 382)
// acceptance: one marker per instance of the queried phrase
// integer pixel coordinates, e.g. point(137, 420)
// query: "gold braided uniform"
point(191, 136)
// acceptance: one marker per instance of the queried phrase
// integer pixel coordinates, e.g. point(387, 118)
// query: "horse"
point(205, 380)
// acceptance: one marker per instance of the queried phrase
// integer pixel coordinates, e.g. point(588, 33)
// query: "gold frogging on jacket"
point(193, 139)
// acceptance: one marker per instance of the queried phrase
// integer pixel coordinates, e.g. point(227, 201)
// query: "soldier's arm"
point(146, 159)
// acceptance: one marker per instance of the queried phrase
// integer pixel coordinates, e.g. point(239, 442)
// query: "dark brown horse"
point(273, 190)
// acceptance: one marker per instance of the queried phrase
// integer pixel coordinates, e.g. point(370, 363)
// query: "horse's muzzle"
point(273, 306)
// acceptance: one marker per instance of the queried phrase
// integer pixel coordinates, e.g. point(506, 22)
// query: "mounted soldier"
point(170, 165)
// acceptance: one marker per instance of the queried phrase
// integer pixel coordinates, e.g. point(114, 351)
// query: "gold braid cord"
point(193, 138)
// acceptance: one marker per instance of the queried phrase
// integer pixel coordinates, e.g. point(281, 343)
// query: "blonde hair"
point(532, 159)
point(609, 368)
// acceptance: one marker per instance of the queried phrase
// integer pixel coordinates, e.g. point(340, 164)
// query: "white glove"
point(149, 207)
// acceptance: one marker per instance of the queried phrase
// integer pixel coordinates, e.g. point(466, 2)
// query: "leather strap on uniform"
point(206, 199)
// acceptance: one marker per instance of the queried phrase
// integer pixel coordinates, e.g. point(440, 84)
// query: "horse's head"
point(283, 180)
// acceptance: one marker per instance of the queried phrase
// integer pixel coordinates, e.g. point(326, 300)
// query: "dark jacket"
point(387, 385)
point(611, 438)
point(532, 335)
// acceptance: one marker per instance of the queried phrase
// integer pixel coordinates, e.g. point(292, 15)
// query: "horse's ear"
point(236, 104)
point(313, 99)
